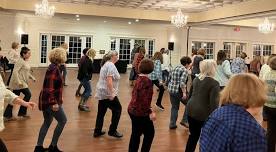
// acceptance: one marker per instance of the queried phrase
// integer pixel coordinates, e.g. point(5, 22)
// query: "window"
point(88, 42)
point(74, 49)
point(262, 50)
point(124, 50)
point(43, 48)
point(57, 41)
point(227, 49)
point(208, 46)
point(125, 46)
point(76, 44)
point(151, 48)
point(113, 45)
point(140, 42)
point(233, 49)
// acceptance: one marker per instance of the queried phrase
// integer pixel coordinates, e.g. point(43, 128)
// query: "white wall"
point(161, 32)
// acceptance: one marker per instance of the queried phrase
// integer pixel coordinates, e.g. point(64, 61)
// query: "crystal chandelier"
point(266, 26)
point(44, 9)
point(179, 20)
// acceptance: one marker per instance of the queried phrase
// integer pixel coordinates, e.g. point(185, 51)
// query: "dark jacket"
point(85, 69)
point(204, 98)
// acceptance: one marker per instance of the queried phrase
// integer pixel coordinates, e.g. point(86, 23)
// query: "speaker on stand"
point(24, 39)
point(170, 48)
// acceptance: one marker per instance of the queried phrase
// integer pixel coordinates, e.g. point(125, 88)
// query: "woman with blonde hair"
point(204, 100)
point(156, 77)
point(233, 127)
point(107, 93)
point(85, 76)
point(50, 101)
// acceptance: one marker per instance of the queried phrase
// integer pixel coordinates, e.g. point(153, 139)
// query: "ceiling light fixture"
point(137, 20)
point(44, 9)
point(77, 15)
point(179, 20)
point(266, 27)
point(129, 23)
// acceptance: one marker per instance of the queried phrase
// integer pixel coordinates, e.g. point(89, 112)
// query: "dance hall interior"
point(137, 75)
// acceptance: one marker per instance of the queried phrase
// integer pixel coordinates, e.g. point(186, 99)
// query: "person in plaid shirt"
point(177, 81)
point(232, 127)
point(50, 100)
point(156, 77)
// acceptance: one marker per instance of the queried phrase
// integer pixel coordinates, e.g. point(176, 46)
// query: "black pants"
point(11, 66)
point(195, 130)
point(3, 147)
point(141, 125)
point(116, 109)
point(23, 110)
point(161, 91)
point(271, 128)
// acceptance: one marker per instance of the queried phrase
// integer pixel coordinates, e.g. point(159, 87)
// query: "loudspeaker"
point(171, 46)
point(24, 38)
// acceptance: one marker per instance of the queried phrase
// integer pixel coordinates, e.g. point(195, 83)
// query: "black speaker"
point(171, 46)
point(24, 38)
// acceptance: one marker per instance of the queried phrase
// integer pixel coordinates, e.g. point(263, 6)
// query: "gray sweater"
point(204, 98)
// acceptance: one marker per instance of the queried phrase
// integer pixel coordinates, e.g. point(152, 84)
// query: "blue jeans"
point(87, 88)
point(175, 101)
point(48, 115)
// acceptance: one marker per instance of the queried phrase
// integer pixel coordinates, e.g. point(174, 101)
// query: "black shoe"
point(159, 106)
point(53, 149)
point(98, 134)
point(173, 127)
point(115, 134)
point(83, 108)
point(40, 149)
point(185, 124)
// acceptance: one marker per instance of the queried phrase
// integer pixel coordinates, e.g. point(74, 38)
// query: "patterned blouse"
point(140, 103)
point(238, 66)
point(156, 74)
point(108, 69)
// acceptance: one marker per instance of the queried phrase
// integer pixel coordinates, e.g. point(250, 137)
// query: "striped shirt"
point(270, 79)
point(156, 74)
point(177, 78)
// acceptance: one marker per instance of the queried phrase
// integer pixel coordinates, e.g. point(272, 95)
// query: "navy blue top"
point(231, 128)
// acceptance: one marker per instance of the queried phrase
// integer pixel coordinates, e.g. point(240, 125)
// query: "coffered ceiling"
point(168, 5)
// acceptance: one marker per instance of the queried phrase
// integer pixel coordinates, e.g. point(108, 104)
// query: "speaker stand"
point(170, 65)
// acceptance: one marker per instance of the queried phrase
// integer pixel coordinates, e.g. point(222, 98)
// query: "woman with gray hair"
point(204, 100)
point(106, 92)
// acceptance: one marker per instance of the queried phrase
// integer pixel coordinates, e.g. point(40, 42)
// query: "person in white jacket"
point(165, 66)
point(13, 56)
point(11, 98)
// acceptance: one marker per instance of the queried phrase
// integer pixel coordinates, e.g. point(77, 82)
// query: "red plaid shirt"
point(140, 104)
point(51, 92)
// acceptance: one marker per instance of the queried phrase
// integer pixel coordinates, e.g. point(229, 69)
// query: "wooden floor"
point(21, 135)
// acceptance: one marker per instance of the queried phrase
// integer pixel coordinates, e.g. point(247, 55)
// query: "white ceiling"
point(168, 5)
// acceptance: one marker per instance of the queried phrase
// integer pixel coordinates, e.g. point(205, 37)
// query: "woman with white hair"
point(204, 100)
point(107, 93)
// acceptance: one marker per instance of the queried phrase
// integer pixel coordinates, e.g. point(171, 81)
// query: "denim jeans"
point(175, 101)
point(48, 115)
point(63, 70)
point(87, 88)
point(23, 110)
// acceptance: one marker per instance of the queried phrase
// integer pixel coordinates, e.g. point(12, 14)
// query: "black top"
point(196, 61)
point(204, 98)
point(85, 69)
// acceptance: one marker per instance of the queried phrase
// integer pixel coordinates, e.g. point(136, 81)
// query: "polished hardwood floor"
point(21, 135)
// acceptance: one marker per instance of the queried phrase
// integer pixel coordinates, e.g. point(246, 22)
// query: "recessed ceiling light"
point(129, 22)
point(78, 19)
point(77, 15)
point(137, 20)
point(105, 21)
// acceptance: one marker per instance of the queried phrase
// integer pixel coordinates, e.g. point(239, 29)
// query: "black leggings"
point(3, 147)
